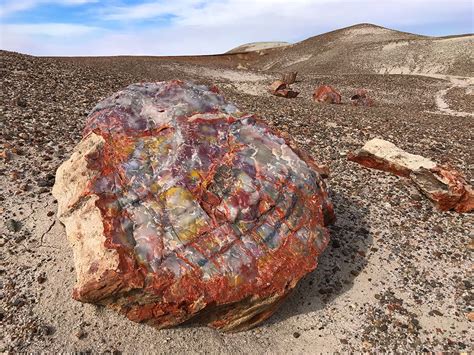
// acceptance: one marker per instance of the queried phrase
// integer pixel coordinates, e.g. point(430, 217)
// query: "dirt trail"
point(463, 82)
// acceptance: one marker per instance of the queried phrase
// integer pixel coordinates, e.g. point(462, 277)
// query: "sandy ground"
point(395, 277)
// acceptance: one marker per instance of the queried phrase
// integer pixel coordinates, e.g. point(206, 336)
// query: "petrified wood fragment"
point(181, 208)
point(327, 94)
point(361, 98)
point(444, 185)
point(289, 77)
point(383, 155)
point(280, 88)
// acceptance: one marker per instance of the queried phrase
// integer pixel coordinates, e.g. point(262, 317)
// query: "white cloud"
point(213, 26)
point(235, 12)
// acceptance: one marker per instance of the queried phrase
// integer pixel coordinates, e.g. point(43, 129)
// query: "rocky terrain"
point(396, 275)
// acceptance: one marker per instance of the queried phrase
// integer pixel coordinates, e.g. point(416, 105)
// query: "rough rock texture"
point(445, 186)
point(383, 155)
point(327, 94)
point(178, 206)
point(280, 88)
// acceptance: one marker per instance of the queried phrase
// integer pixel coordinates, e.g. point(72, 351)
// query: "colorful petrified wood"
point(179, 207)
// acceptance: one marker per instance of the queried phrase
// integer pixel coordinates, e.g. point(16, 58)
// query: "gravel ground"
point(396, 276)
point(461, 99)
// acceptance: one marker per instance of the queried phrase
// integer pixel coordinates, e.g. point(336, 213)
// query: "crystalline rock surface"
point(181, 208)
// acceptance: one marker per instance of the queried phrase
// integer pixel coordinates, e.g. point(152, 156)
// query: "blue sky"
point(176, 27)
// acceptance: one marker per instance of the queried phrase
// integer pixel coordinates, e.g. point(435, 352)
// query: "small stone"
point(80, 334)
point(13, 225)
point(41, 278)
point(4, 154)
point(19, 302)
point(21, 102)
point(470, 245)
point(435, 312)
point(296, 335)
point(47, 330)
point(416, 197)
point(45, 183)
point(20, 238)
point(23, 136)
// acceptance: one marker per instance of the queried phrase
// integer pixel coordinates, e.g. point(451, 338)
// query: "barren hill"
point(367, 48)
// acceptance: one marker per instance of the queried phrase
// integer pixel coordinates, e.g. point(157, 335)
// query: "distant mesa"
point(257, 46)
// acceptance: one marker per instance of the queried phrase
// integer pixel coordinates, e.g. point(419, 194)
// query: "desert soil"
point(395, 277)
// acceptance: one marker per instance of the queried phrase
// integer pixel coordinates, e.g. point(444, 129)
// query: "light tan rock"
point(83, 221)
point(383, 155)
point(73, 175)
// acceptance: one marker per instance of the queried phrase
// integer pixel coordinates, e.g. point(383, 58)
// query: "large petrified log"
point(181, 208)
point(445, 186)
